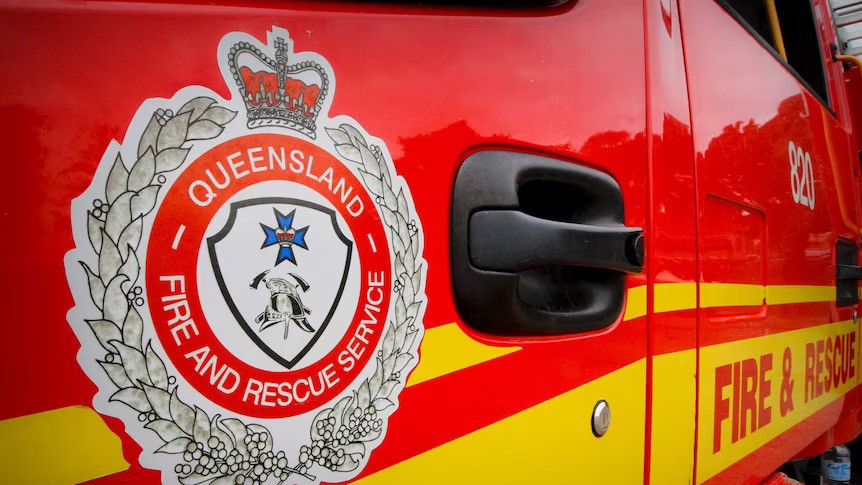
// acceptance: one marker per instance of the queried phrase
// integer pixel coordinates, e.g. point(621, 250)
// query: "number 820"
point(801, 185)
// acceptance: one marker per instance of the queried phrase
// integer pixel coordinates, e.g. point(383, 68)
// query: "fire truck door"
point(776, 213)
point(400, 106)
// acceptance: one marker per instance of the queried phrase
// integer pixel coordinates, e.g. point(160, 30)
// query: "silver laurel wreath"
point(339, 433)
point(215, 450)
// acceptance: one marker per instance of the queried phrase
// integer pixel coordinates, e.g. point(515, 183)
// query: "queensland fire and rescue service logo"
point(248, 277)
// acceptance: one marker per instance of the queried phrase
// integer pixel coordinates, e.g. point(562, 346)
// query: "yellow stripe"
point(730, 294)
point(446, 349)
point(635, 303)
point(66, 445)
point(551, 442)
point(783, 294)
point(672, 435)
point(671, 297)
point(536, 441)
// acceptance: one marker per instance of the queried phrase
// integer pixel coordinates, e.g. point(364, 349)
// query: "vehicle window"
point(754, 15)
point(796, 43)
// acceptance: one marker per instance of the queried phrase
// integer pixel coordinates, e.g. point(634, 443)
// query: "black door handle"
point(539, 246)
point(849, 272)
point(511, 241)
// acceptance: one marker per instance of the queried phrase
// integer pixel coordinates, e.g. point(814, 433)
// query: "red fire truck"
point(429, 242)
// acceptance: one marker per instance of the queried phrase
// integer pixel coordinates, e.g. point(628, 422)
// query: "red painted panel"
point(428, 81)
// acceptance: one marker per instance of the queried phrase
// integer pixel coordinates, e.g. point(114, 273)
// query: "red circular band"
point(171, 277)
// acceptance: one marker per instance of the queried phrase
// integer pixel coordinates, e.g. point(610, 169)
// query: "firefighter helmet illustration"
point(233, 357)
point(285, 306)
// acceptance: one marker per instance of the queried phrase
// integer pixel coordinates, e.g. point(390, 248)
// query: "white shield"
point(281, 265)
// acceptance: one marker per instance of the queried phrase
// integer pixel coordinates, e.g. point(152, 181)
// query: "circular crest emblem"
point(248, 277)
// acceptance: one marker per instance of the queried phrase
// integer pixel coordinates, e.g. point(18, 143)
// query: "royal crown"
point(277, 93)
point(285, 236)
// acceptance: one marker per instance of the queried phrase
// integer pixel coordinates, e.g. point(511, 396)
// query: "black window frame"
point(827, 102)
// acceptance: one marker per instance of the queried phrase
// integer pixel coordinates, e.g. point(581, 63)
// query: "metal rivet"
point(601, 418)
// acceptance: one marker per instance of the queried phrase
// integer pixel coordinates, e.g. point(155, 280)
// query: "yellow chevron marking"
point(673, 398)
point(446, 349)
point(545, 443)
point(66, 445)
